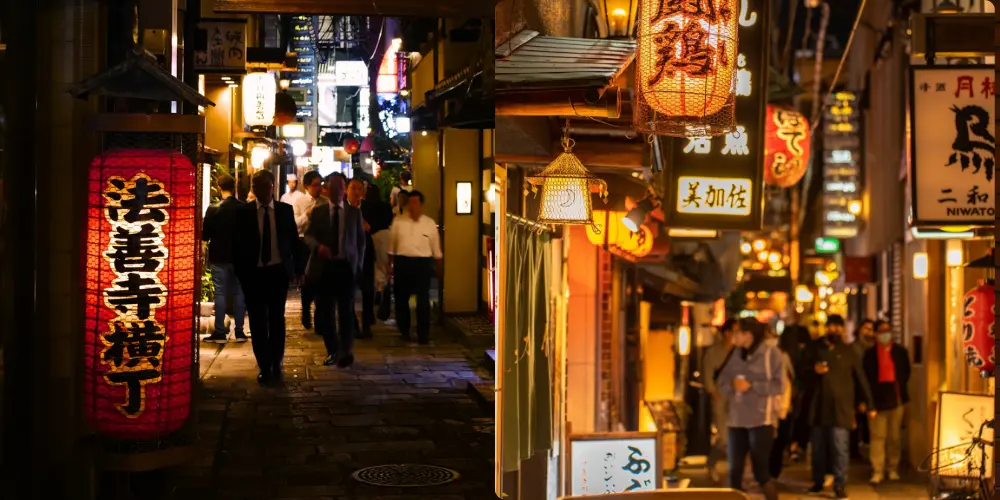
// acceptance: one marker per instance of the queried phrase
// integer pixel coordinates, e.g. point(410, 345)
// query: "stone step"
point(483, 393)
point(490, 362)
point(473, 331)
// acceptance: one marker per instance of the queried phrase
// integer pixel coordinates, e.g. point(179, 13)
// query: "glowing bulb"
point(759, 245)
point(619, 12)
point(299, 147)
point(684, 340)
point(803, 294)
point(746, 248)
point(762, 256)
point(854, 207)
point(259, 155)
point(774, 257)
point(954, 256)
point(920, 266)
point(424, 133)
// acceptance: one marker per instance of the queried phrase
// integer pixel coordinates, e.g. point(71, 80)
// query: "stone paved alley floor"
point(397, 405)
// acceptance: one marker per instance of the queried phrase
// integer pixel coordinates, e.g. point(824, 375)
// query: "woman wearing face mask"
point(752, 380)
point(887, 367)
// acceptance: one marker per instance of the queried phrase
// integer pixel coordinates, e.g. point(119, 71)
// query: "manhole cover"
point(405, 475)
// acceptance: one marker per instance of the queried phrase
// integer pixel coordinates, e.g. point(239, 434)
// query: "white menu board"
point(959, 418)
point(618, 462)
point(953, 144)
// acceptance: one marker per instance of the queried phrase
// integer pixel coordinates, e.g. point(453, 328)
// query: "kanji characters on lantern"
point(978, 323)
point(687, 55)
point(786, 147)
point(140, 268)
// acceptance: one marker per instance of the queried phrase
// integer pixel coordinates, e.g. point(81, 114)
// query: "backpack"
point(777, 406)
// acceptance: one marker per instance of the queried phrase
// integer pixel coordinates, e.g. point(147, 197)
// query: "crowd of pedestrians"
point(775, 398)
point(333, 239)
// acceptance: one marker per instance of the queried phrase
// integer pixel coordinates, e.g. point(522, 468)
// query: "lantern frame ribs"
point(566, 186)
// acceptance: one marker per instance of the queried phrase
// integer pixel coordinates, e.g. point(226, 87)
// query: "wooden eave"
point(531, 62)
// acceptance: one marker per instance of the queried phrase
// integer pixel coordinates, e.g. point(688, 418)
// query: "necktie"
point(265, 238)
point(336, 231)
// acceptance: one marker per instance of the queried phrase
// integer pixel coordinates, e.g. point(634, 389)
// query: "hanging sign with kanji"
point(225, 49)
point(953, 145)
point(733, 161)
point(618, 462)
point(141, 264)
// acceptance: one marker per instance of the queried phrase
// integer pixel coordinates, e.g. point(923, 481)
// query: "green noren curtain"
point(526, 397)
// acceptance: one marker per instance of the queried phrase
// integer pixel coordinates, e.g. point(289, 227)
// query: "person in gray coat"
point(714, 359)
point(752, 380)
point(336, 237)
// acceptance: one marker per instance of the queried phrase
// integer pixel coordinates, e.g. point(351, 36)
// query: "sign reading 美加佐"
point(714, 196)
point(953, 145)
point(619, 462)
point(700, 167)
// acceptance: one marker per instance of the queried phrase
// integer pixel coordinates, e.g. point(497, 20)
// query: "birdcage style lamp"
point(565, 187)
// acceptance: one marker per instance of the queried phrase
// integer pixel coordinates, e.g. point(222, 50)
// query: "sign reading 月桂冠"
point(953, 145)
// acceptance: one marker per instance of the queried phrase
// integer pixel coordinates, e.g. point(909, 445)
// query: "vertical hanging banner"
point(953, 146)
point(841, 164)
point(302, 80)
point(716, 182)
point(141, 263)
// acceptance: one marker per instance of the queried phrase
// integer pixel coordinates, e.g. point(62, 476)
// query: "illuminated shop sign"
point(841, 165)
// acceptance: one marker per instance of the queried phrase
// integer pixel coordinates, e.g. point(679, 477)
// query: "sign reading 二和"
point(624, 462)
point(953, 145)
point(733, 161)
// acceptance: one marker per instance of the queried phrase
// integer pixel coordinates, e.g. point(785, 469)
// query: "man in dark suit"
point(373, 214)
point(263, 250)
point(336, 235)
point(217, 229)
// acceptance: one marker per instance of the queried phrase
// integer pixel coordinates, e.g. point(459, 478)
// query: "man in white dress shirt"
point(414, 258)
point(304, 205)
point(293, 194)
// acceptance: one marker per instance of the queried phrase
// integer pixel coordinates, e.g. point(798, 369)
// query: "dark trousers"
point(335, 319)
point(859, 434)
point(781, 443)
point(385, 300)
point(266, 289)
point(756, 442)
point(368, 292)
point(830, 454)
point(301, 259)
point(412, 276)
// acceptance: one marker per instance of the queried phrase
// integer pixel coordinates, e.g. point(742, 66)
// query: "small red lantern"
point(141, 264)
point(978, 336)
point(284, 109)
point(786, 146)
point(352, 146)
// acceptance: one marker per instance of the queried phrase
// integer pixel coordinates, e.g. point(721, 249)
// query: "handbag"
point(777, 410)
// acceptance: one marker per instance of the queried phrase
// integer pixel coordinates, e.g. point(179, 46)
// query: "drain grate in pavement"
point(405, 475)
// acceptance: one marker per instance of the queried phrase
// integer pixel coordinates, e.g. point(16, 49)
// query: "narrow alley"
point(399, 404)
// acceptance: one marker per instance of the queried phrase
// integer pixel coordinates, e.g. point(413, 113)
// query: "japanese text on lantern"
point(708, 195)
point(133, 344)
point(689, 54)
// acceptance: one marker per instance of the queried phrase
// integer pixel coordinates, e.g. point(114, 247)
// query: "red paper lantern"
point(786, 147)
point(351, 146)
point(978, 336)
point(141, 266)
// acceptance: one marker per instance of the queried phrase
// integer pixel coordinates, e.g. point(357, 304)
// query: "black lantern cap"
point(139, 77)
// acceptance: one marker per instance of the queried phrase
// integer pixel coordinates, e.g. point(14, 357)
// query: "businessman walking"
point(263, 245)
point(336, 235)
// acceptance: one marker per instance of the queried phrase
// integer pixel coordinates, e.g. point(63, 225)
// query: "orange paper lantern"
point(978, 322)
point(786, 148)
point(141, 275)
point(686, 66)
point(620, 240)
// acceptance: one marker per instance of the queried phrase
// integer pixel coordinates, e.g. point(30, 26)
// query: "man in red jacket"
point(887, 367)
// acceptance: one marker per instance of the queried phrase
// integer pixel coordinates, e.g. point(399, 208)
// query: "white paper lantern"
point(259, 90)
